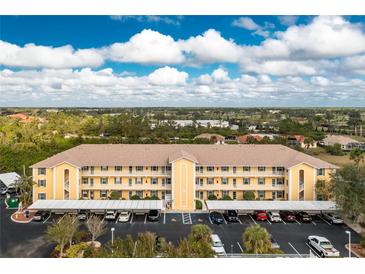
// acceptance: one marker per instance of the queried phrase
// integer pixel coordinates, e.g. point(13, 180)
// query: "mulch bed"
point(19, 217)
point(358, 249)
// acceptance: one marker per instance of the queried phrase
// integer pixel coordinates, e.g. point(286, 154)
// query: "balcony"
point(239, 187)
point(125, 187)
point(239, 174)
point(125, 173)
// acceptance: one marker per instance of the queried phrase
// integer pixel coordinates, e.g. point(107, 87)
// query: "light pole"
point(112, 230)
point(349, 233)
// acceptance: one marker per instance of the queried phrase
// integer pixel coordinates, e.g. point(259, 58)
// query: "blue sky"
point(236, 61)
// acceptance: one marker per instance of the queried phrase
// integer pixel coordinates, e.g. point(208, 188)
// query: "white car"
point(274, 217)
point(110, 215)
point(217, 245)
point(323, 246)
point(332, 218)
point(124, 216)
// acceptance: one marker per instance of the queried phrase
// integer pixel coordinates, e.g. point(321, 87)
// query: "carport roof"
point(272, 205)
point(97, 205)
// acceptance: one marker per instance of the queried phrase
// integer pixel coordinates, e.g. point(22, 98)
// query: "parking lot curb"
point(353, 251)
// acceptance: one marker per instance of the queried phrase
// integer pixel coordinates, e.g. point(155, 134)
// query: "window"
point(130, 194)
point(91, 194)
point(41, 171)
point(209, 181)
point(280, 194)
point(85, 194)
point(301, 177)
point(273, 169)
point(246, 181)
point(85, 168)
point(139, 168)
point(104, 168)
point(41, 196)
point(210, 168)
point(163, 182)
point(104, 181)
point(163, 170)
point(234, 195)
point(201, 169)
point(139, 193)
point(91, 181)
point(224, 193)
point(41, 183)
point(163, 195)
point(197, 181)
point(225, 168)
point(85, 181)
point(261, 194)
point(92, 170)
point(130, 169)
point(138, 180)
point(280, 181)
point(320, 172)
point(234, 169)
point(118, 168)
point(168, 168)
point(154, 168)
point(154, 181)
point(201, 181)
point(261, 168)
point(234, 182)
point(117, 180)
point(210, 193)
point(168, 181)
point(246, 168)
point(153, 193)
point(103, 194)
point(280, 169)
point(201, 195)
point(224, 181)
point(273, 182)
point(261, 181)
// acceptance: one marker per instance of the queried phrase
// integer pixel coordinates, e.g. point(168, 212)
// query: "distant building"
point(346, 142)
point(7, 180)
point(258, 137)
point(216, 138)
point(299, 140)
point(202, 123)
point(22, 117)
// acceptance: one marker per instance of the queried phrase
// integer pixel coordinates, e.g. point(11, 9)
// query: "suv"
point(153, 215)
point(111, 215)
point(332, 218)
point(287, 216)
point(232, 216)
point(303, 217)
point(217, 245)
point(322, 246)
point(274, 217)
point(260, 215)
point(216, 217)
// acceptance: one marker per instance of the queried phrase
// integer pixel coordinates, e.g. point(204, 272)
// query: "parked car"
point(110, 215)
point(260, 215)
point(332, 218)
point(7, 190)
point(124, 216)
point(323, 246)
point(153, 215)
point(232, 215)
point(287, 216)
point(82, 215)
point(274, 217)
point(303, 217)
point(40, 216)
point(217, 245)
point(3, 190)
point(216, 217)
point(274, 243)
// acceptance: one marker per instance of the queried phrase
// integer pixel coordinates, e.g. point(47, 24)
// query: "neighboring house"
point(8, 180)
point(216, 138)
point(346, 142)
point(299, 140)
point(179, 174)
point(258, 137)
point(22, 117)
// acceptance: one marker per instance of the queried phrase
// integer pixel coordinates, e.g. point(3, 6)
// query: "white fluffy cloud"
point(168, 76)
point(246, 23)
point(146, 47)
point(48, 57)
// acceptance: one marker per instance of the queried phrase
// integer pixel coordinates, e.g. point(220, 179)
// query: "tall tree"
point(96, 227)
point(357, 155)
point(256, 240)
point(24, 186)
point(59, 233)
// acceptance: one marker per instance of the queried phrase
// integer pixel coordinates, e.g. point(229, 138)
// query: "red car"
point(260, 215)
point(287, 216)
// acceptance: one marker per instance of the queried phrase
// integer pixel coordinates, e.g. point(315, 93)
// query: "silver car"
point(332, 218)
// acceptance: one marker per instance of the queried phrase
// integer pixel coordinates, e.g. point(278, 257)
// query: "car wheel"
point(322, 254)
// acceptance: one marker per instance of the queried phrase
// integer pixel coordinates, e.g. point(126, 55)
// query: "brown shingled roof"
point(157, 154)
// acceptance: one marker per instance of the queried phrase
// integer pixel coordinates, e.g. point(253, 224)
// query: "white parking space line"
point(314, 223)
point(145, 218)
point(131, 218)
point(210, 220)
point(268, 221)
point(225, 220)
point(116, 219)
point(239, 221)
point(47, 218)
point(164, 218)
point(296, 251)
point(313, 250)
point(240, 247)
point(252, 219)
point(323, 220)
point(283, 221)
point(60, 219)
point(299, 223)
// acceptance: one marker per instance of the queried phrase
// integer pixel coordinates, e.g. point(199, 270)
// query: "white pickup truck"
point(323, 246)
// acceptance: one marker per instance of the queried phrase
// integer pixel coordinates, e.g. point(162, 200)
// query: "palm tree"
point(256, 240)
point(24, 186)
point(59, 233)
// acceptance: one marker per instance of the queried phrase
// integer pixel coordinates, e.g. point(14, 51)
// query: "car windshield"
point(232, 213)
point(123, 213)
point(217, 244)
point(110, 212)
point(326, 244)
point(153, 212)
point(275, 214)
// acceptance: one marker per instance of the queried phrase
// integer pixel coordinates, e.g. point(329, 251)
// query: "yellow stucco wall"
point(183, 185)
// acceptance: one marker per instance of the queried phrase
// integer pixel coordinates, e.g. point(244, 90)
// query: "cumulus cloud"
point(149, 19)
point(32, 55)
point(288, 20)
point(246, 23)
point(168, 76)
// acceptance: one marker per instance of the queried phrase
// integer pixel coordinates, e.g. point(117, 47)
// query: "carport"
point(97, 206)
point(250, 206)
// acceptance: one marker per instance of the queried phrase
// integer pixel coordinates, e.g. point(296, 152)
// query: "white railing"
point(239, 174)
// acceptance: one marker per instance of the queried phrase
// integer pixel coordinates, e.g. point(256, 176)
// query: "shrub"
point(212, 197)
point(226, 197)
point(335, 150)
point(75, 250)
point(115, 195)
point(198, 204)
point(135, 197)
point(249, 195)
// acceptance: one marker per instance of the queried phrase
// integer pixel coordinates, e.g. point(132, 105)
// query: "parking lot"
point(16, 238)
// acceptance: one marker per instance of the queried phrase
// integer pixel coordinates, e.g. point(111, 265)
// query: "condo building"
point(179, 174)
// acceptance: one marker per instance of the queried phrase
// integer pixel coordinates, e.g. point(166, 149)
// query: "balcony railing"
point(239, 174)
point(67, 186)
point(125, 174)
